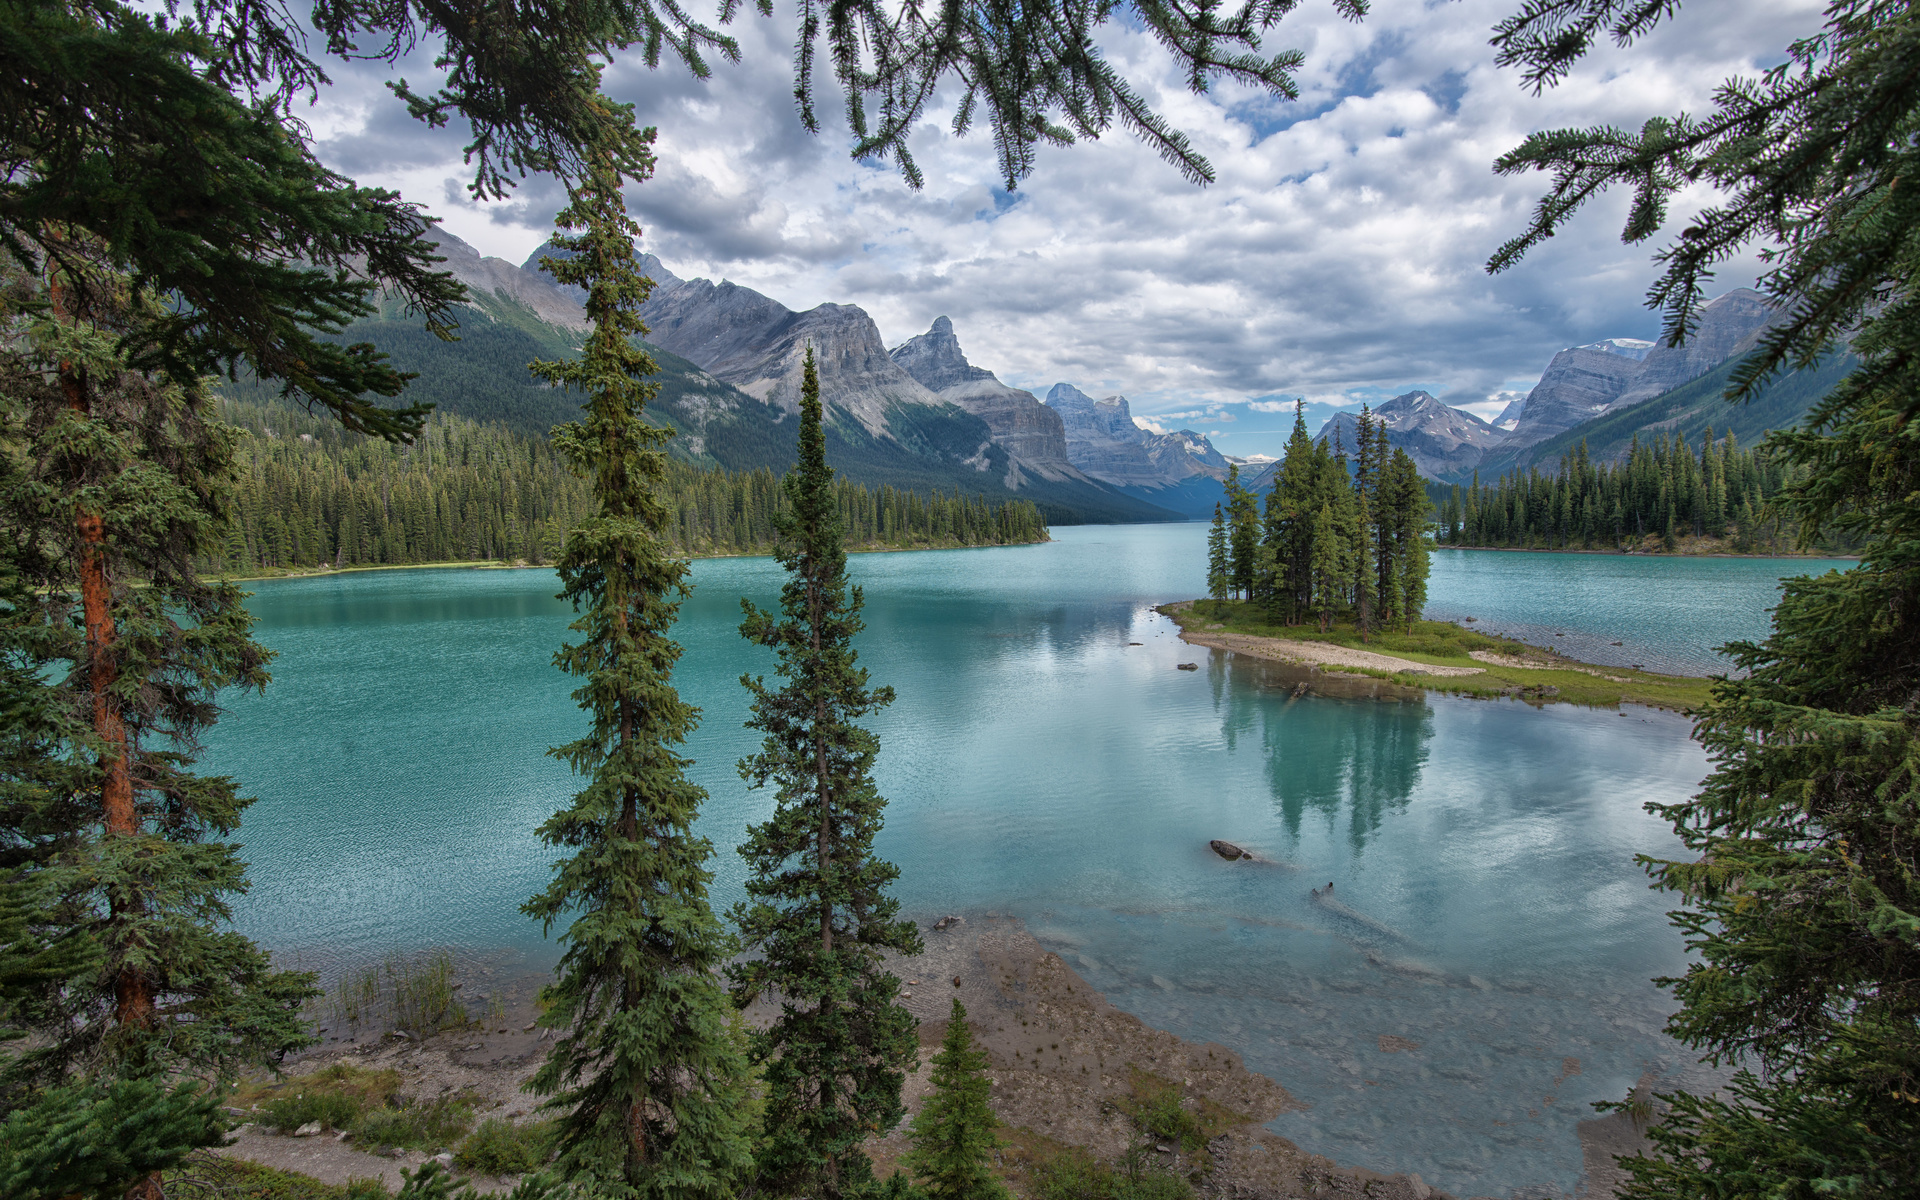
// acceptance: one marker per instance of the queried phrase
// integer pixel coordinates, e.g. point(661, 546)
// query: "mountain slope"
point(1440, 440)
point(1032, 433)
point(1688, 409)
point(1179, 470)
point(709, 340)
point(1586, 382)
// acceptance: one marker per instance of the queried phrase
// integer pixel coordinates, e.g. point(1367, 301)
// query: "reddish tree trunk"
point(133, 999)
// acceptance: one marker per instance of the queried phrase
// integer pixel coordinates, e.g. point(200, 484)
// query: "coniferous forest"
point(1340, 539)
point(310, 492)
point(1662, 492)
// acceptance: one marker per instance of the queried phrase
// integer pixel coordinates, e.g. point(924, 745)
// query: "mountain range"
point(919, 415)
point(1605, 394)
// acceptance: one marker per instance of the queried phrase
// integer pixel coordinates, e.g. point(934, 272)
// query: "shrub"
point(503, 1148)
point(1075, 1175)
point(332, 1109)
point(416, 1125)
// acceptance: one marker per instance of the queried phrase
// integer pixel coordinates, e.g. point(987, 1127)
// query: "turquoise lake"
point(1039, 764)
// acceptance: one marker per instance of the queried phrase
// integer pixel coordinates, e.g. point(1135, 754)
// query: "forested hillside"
point(311, 493)
point(1702, 402)
point(1663, 492)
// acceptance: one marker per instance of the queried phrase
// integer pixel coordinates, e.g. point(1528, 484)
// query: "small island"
point(1437, 655)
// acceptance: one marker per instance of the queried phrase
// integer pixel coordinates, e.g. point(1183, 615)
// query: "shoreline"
point(1784, 554)
point(1065, 1068)
point(495, 564)
point(1097, 1062)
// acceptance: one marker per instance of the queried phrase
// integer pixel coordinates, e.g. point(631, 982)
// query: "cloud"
point(1338, 256)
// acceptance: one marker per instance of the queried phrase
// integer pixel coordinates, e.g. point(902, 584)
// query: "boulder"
point(1227, 850)
point(310, 1129)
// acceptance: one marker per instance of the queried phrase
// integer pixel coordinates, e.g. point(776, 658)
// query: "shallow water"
point(1486, 905)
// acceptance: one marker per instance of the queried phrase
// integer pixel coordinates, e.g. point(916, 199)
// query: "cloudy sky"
point(1337, 257)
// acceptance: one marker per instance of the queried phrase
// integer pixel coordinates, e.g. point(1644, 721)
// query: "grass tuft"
point(415, 995)
point(500, 1147)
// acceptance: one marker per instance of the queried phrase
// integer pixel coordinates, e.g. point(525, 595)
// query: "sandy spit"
point(1317, 654)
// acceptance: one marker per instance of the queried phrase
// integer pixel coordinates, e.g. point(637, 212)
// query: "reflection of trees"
point(1363, 755)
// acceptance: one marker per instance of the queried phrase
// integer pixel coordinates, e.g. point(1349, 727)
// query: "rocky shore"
point(1065, 1065)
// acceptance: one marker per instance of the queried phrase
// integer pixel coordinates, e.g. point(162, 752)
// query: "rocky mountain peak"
point(935, 358)
point(1438, 437)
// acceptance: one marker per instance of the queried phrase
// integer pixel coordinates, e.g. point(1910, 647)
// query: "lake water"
point(1669, 614)
point(1039, 763)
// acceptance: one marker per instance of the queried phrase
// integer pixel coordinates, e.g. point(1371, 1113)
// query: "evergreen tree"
point(1801, 888)
point(1409, 508)
point(1243, 532)
point(646, 1081)
point(954, 1134)
point(1329, 568)
point(1217, 572)
point(136, 995)
point(819, 913)
point(1292, 511)
point(1360, 556)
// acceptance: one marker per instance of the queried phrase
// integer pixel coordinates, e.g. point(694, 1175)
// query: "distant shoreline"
point(1649, 553)
point(494, 564)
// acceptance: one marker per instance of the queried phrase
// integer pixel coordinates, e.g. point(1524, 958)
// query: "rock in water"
point(1227, 850)
point(1187, 666)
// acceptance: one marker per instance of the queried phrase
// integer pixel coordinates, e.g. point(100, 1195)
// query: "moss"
point(1549, 677)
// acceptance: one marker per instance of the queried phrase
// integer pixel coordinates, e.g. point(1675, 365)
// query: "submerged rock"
point(1227, 850)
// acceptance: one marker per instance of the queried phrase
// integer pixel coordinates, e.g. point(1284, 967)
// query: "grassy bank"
point(1535, 674)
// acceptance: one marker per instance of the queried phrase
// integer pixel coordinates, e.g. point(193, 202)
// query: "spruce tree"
point(1217, 573)
point(1359, 529)
point(1409, 509)
point(1328, 566)
point(123, 971)
point(1292, 510)
point(954, 1135)
point(818, 913)
point(1243, 532)
point(645, 1079)
point(1800, 890)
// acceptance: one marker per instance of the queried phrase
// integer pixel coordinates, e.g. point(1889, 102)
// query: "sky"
point(1339, 256)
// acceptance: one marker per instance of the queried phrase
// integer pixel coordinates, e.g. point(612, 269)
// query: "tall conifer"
point(819, 913)
point(1360, 559)
point(113, 652)
point(645, 1077)
point(1243, 532)
point(1217, 573)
